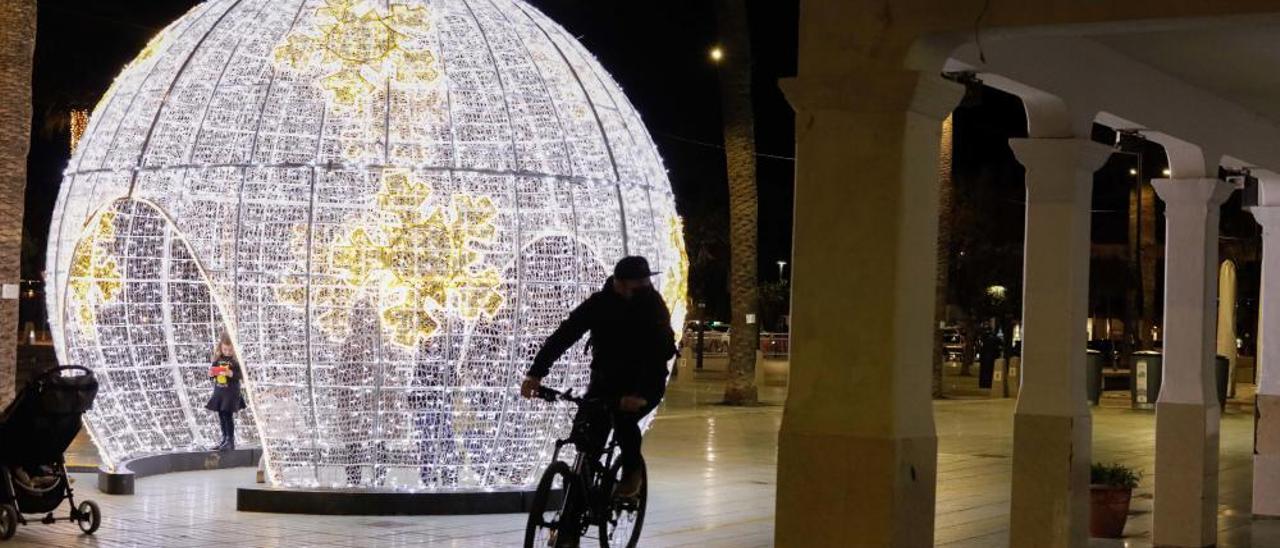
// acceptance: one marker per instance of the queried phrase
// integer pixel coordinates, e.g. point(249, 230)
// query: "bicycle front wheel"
point(621, 527)
point(553, 521)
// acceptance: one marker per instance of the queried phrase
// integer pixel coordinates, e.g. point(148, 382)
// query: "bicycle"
point(585, 499)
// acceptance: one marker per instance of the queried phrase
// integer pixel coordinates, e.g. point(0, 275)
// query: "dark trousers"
point(227, 420)
point(626, 430)
point(986, 370)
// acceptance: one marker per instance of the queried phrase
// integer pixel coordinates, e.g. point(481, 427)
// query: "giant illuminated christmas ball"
point(387, 204)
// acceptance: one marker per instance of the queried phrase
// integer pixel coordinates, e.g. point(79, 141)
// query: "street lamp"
point(716, 54)
point(781, 266)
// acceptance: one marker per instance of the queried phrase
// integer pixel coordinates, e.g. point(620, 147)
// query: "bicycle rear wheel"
point(548, 526)
point(621, 527)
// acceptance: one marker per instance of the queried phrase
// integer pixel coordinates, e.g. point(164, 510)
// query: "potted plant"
point(1110, 491)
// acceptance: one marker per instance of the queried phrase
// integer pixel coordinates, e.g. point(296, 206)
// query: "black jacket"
point(631, 341)
point(226, 397)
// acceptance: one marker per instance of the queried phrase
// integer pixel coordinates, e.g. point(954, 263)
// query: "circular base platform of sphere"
point(120, 481)
point(353, 502)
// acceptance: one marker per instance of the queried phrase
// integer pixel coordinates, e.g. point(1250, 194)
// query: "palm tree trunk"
point(945, 205)
point(1150, 259)
point(1133, 295)
point(740, 158)
point(17, 46)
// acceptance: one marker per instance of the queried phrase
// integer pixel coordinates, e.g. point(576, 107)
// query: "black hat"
point(632, 268)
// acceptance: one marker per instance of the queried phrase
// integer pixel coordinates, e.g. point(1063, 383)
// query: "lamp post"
point(782, 265)
point(701, 331)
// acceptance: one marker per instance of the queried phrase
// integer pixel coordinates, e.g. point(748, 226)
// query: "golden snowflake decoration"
point(361, 48)
point(418, 262)
point(95, 275)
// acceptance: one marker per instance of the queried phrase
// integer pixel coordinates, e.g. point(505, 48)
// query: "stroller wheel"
point(90, 517)
point(8, 521)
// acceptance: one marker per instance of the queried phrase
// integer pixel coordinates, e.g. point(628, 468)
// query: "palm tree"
point(740, 158)
point(945, 206)
point(17, 46)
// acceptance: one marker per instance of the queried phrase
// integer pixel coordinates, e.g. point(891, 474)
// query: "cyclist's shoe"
point(630, 485)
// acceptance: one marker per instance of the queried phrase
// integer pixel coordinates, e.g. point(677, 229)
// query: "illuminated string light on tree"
point(388, 205)
point(79, 120)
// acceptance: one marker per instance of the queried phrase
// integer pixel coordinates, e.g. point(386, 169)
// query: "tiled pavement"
point(974, 469)
point(713, 477)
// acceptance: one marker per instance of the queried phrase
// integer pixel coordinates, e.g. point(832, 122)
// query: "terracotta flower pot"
point(1108, 510)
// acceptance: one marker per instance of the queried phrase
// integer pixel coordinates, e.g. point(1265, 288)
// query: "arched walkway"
point(870, 101)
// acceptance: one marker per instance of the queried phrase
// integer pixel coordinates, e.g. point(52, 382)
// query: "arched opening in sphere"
point(139, 312)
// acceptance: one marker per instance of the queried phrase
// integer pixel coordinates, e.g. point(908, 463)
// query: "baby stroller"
point(34, 432)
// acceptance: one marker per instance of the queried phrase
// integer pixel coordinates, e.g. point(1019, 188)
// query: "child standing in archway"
point(226, 400)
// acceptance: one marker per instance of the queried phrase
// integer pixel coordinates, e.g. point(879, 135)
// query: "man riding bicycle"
point(631, 341)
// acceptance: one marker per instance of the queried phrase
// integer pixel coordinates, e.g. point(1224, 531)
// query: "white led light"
point(388, 204)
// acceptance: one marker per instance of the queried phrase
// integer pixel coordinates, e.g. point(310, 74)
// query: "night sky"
point(657, 51)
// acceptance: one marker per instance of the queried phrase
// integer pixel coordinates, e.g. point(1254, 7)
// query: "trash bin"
point(1093, 376)
point(1144, 382)
point(1221, 370)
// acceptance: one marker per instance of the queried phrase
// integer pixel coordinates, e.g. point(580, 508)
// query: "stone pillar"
point(857, 452)
point(1187, 413)
point(1266, 450)
point(1227, 321)
point(1052, 427)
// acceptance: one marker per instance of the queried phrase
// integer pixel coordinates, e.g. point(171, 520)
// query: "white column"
point(1266, 450)
point(857, 450)
point(1227, 321)
point(1052, 426)
point(1187, 413)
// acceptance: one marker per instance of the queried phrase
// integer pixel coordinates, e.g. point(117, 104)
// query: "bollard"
point(680, 373)
point(1145, 376)
point(999, 383)
point(1093, 376)
point(1015, 376)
